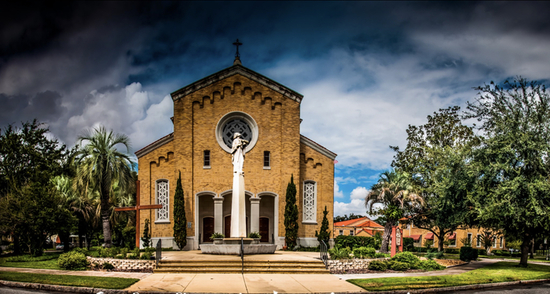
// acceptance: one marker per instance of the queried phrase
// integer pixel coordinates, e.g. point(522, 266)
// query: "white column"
point(238, 208)
point(218, 211)
point(255, 214)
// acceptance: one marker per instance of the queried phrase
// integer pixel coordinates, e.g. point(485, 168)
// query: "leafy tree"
point(146, 239)
point(324, 232)
point(512, 165)
point(436, 158)
point(29, 207)
point(180, 221)
point(100, 165)
point(345, 217)
point(291, 215)
point(397, 196)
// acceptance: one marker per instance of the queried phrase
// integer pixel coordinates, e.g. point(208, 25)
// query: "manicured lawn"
point(43, 264)
point(67, 280)
point(494, 273)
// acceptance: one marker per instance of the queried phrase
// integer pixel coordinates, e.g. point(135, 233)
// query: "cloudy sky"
point(366, 69)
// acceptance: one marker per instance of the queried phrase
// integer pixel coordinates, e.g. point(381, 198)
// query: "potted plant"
point(217, 238)
point(256, 236)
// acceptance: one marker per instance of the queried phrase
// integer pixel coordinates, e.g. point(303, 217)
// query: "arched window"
point(310, 202)
point(163, 197)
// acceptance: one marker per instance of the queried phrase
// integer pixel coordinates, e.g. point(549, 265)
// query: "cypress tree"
point(291, 215)
point(146, 235)
point(324, 233)
point(180, 221)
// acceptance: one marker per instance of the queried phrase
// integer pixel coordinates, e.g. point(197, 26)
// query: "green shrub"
point(254, 235)
point(354, 241)
point(28, 258)
point(81, 250)
point(107, 266)
point(481, 252)
point(146, 255)
point(364, 252)
point(378, 265)
point(434, 254)
point(72, 260)
point(339, 253)
point(399, 266)
point(381, 255)
point(124, 252)
point(406, 257)
point(430, 265)
point(217, 235)
point(451, 250)
point(468, 253)
point(408, 244)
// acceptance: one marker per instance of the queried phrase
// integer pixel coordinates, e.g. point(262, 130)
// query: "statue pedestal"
point(238, 208)
point(232, 246)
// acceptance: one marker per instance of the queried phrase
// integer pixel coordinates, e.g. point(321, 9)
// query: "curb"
point(58, 288)
point(88, 290)
point(461, 288)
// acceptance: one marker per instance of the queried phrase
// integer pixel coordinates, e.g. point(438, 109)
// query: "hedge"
point(354, 242)
point(468, 253)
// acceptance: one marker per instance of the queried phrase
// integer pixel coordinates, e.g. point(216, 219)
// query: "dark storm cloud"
point(45, 106)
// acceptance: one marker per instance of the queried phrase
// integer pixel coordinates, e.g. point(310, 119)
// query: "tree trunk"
point(524, 251)
point(532, 248)
point(386, 237)
point(105, 188)
point(440, 240)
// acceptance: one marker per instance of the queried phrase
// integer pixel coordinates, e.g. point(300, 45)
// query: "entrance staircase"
point(235, 266)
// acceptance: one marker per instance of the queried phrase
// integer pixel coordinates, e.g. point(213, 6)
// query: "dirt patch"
point(449, 262)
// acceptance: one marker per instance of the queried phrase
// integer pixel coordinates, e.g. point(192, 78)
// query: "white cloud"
point(359, 193)
point(337, 192)
point(154, 125)
point(356, 206)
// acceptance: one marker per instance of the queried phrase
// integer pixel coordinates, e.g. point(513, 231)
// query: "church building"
point(207, 113)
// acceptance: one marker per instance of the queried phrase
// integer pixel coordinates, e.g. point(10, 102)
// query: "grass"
point(494, 273)
point(67, 280)
point(29, 262)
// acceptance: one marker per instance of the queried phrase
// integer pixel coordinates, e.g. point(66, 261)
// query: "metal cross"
point(237, 43)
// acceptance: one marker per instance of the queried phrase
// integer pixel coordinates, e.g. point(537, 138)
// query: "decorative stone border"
point(124, 265)
point(349, 265)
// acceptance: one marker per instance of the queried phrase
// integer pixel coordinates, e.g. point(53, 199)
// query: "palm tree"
point(394, 191)
point(100, 164)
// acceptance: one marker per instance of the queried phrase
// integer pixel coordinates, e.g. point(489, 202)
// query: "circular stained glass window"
point(236, 126)
point(236, 122)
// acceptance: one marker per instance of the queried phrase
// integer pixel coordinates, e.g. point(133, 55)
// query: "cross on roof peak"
point(237, 55)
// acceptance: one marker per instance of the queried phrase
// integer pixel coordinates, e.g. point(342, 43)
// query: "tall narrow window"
point(351, 232)
point(206, 158)
point(501, 239)
point(163, 197)
point(310, 202)
point(470, 239)
point(478, 241)
point(267, 160)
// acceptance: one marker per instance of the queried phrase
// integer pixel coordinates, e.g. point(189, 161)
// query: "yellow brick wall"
point(461, 233)
point(195, 118)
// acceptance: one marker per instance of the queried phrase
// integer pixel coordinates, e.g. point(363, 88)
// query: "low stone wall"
point(125, 265)
point(349, 266)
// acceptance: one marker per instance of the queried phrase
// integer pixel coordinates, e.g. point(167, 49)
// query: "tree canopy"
point(512, 166)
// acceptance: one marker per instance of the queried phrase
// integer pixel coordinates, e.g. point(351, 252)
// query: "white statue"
point(238, 152)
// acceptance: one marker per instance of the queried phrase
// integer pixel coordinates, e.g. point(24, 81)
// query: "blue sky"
point(366, 69)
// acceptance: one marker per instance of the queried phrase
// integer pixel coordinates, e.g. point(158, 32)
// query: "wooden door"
point(264, 229)
point(227, 232)
point(207, 228)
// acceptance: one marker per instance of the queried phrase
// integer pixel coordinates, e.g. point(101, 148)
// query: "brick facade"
point(197, 110)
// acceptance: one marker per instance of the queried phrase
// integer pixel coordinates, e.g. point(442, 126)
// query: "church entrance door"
point(264, 229)
point(227, 232)
point(208, 228)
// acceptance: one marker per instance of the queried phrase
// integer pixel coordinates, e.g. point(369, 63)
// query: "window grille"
point(266, 159)
point(163, 198)
point(310, 202)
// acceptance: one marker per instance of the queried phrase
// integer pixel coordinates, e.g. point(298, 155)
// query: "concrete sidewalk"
point(248, 283)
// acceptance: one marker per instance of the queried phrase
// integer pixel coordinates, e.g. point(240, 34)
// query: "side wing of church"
point(206, 115)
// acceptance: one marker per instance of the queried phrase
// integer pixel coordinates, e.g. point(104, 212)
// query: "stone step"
point(282, 266)
point(237, 270)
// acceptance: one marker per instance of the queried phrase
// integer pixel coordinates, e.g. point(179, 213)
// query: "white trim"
point(164, 220)
point(197, 221)
point(206, 167)
point(310, 143)
point(314, 220)
point(233, 115)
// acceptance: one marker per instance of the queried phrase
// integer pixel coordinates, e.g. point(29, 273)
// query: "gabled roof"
point(317, 147)
point(155, 145)
point(362, 222)
point(233, 70)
